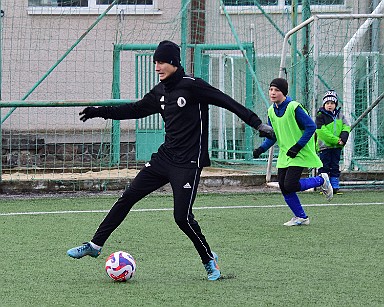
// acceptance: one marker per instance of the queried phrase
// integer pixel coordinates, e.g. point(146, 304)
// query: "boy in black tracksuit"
point(183, 104)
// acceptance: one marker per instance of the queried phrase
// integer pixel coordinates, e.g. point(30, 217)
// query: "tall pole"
point(306, 13)
point(293, 77)
point(183, 34)
point(1, 86)
point(197, 25)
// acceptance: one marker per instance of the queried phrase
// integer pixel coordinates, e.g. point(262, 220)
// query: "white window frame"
point(96, 9)
point(281, 7)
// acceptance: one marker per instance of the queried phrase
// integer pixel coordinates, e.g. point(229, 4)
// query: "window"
point(271, 6)
point(125, 1)
point(280, 2)
point(319, 2)
point(85, 3)
point(91, 6)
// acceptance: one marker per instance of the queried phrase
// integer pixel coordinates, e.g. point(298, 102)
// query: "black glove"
point(266, 131)
point(294, 150)
point(344, 136)
point(257, 152)
point(89, 112)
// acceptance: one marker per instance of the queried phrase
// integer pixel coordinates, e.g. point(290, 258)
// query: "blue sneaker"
point(212, 268)
point(84, 250)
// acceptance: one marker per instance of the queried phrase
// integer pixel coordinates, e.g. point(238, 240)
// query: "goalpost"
point(348, 67)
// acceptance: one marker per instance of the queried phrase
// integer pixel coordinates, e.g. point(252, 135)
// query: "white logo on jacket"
point(181, 102)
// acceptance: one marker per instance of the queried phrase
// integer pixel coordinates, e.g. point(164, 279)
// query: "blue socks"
point(334, 182)
point(294, 204)
point(293, 200)
point(311, 182)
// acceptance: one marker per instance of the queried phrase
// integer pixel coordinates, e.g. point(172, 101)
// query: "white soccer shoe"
point(326, 187)
point(297, 221)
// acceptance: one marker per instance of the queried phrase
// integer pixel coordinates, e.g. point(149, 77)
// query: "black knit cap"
point(281, 84)
point(167, 52)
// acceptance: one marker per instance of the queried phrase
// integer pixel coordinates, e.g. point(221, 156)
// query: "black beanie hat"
point(167, 52)
point(281, 84)
point(331, 95)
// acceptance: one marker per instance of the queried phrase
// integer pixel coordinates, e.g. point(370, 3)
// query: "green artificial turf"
point(335, 261)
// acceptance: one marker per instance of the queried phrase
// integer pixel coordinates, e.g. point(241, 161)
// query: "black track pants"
point(157, 173)
point(289, 179)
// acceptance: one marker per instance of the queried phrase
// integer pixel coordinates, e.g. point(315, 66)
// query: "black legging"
point(184, 183)
point(289, 179)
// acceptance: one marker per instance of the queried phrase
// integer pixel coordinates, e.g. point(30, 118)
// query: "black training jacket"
point(183, 104)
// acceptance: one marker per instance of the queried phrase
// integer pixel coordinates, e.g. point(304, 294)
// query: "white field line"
point(171, 209)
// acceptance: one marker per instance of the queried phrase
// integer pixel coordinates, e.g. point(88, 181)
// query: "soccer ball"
point(120, 266)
